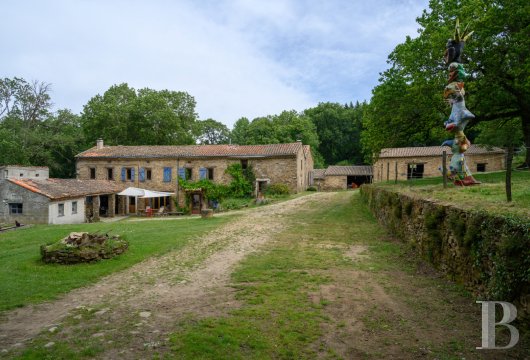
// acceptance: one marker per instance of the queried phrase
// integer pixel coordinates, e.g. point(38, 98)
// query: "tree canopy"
point(125, 116)
point(407, 108)
point(339, 130)
point(288, 126)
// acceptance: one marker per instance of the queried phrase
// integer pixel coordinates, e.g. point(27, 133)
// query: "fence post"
point(444, 167)
point(509, 174)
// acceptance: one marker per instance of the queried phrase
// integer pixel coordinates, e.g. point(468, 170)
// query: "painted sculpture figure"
point(460, 116)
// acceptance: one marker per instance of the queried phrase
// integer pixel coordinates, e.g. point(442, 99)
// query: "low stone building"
point(341, 177)
point(158, 168)
point(55, 201)
point(419, 162)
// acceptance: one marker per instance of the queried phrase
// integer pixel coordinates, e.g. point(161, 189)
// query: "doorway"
point(415, 171)
point(132, 205)
point(196, 202)
point(103, 205)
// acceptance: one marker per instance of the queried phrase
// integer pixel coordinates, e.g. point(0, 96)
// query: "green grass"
point(490, 195)
point(25, 279)
point(277, 318)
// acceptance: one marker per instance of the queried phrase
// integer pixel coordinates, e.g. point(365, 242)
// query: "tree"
point(212, 132)
point(124, 116)
point(497, 59)
point(338, 128)
point(239, 134)
point(29, 102)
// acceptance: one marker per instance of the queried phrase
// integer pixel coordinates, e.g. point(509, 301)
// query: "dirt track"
point(140, 305)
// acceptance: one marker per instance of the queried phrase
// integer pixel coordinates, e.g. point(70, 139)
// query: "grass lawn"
point(25, 279)
point(303, 297)
point(490, 195)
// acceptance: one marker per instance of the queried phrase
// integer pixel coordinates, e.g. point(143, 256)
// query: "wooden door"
point(196, 203)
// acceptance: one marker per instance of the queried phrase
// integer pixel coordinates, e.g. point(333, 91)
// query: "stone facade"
point(331, 183)
point(35, 207)
point(385, 168)
point(293, 170)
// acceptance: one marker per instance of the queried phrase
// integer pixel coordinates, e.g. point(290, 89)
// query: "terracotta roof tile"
point(163, 151)
point(354, 170)
point(434, 151)
point(57, 189)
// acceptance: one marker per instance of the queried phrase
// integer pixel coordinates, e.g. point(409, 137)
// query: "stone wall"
point(34, 206)
point(387, 166)
point(487, 253)
point(330, 183)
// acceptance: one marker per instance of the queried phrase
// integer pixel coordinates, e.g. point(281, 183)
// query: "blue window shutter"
point(141, 175)
point(132, 174)
point(123, 173)
point(203, 173)
point(167, 174)
point(182, 173)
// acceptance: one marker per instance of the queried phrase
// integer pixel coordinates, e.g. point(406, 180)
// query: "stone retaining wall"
point(489, 254)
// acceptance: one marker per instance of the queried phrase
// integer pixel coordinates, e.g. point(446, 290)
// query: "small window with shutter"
point(182, 173)
point(167, 174)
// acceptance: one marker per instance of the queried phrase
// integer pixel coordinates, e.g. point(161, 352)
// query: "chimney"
point(99, 144)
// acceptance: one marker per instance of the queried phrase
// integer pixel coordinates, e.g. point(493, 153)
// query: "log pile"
point(80, 247)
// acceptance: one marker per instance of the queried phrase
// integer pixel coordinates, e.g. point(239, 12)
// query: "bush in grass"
point(311, 188)
point(233, 203)
point(278, 189)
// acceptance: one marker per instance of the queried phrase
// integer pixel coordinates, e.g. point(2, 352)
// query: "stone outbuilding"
point(341, 177)
point(419, 162)
point(56, 201)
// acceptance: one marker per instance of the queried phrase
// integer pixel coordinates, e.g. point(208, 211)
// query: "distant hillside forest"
point(406, 108)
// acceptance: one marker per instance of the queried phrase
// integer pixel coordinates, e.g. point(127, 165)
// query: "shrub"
point(278, 189)
point(311, 188)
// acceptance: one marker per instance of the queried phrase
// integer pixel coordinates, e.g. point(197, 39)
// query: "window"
point(110, 173)
point(61, 209)
point(129, 174)
point(92, 173)
point(244, 164)
point(89, 200)
point(37, 175)
point(210, 173)
point(6, 173)
point(148, 174)
point(15, 208)
point(74, 207)
point(189, 173)
point(481, 167)
point(167, 174)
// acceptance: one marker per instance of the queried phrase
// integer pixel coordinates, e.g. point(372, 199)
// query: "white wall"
point(68, 217)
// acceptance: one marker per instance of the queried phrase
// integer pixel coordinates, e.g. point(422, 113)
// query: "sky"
point(236, 58)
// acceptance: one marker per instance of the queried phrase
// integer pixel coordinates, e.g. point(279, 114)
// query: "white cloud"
point(237, 58)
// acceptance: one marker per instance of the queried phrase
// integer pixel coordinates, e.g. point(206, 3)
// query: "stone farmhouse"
point(341, 177)
point(419, 162)
point(29, 196)
point(157, 168)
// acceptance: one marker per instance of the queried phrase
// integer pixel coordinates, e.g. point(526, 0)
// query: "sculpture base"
point(467, 181)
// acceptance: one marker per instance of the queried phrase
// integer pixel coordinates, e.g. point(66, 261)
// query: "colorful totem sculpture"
point(460, 116)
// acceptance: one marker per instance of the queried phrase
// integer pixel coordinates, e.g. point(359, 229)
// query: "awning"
point(143, 193)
